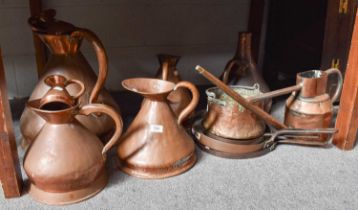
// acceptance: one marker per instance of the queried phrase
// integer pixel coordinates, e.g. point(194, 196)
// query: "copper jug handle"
point(184, 114)
point(101, 57)
point(339, 84)
point(105, 109)
point(229, 68)
point(79, 83)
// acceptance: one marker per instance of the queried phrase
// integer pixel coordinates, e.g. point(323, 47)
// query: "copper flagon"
point(155, 144)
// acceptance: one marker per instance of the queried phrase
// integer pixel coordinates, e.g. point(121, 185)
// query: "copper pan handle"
point(101, 57)
point(298, 136)
point(238, 98)
point(193, 103)
point(340, 82)
point(79, 83)
point(105, 109)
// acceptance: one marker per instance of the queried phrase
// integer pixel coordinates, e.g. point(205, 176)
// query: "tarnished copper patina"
point(312, 107)
point(227, 118)
point(180, 98)
point(66, 162)
point(155, 144)
point(63, 41)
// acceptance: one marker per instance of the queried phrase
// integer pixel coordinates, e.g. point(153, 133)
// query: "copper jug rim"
point(312, 74)
point(148, 86)
point(36, 105)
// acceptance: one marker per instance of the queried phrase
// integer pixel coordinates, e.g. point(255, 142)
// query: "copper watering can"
point(66, 162)
point(179, 98)
point(63, 41)
point(156, 145)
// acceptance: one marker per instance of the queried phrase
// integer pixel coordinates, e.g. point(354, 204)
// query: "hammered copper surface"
point(63, 41)
point(180, 98)
point(66, 162)
point(227, 118)
point(155, 144)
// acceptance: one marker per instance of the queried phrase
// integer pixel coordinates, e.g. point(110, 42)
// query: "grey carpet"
point(290, 177)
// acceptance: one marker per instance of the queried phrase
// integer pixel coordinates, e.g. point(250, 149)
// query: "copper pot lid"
point(45, 23)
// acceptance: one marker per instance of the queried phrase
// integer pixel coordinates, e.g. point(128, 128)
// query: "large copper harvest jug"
point(155, 144)
point(180, 98)
point(66, 162)
point(63, 41)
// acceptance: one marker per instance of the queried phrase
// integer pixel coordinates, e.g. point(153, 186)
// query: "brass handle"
point(193, 103)
point(105, 109)
point(340, 82)
point(101, 57)
point(79, 83)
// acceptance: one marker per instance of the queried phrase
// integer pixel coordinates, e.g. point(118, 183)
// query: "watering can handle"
point(193, 103)
point(101, 57)
point(229, 68)
point(340, 82)
point(105, 109)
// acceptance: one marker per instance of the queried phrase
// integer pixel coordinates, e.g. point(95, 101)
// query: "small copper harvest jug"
point(180, 98)
point(66, 162)
point(63, 41)
point(155, 144)
point(311, 107)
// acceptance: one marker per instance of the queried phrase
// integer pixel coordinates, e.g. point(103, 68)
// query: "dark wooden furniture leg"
point(347, 119)
point(10, 172)
point(257, 9)
point(40, 50)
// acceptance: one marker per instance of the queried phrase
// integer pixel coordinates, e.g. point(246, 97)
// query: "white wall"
point(133, 31)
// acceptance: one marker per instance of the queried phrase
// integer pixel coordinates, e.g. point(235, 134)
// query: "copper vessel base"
point(159, 173)
point(55, 198)
point(229, 148)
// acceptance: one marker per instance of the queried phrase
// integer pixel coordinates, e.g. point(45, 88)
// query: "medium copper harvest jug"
point(180, 98)
point(155, 144)
point(63, 41)
point(242, 70)
point(66, 162)
point(312, 107)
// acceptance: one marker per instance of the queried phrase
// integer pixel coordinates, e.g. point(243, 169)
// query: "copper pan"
point(241, 149)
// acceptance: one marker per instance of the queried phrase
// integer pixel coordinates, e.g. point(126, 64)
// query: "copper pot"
point(179, 98)
point(63, 41)
point(227, 118)
point(155, 144)
point(312, 107)
point(66, 162)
